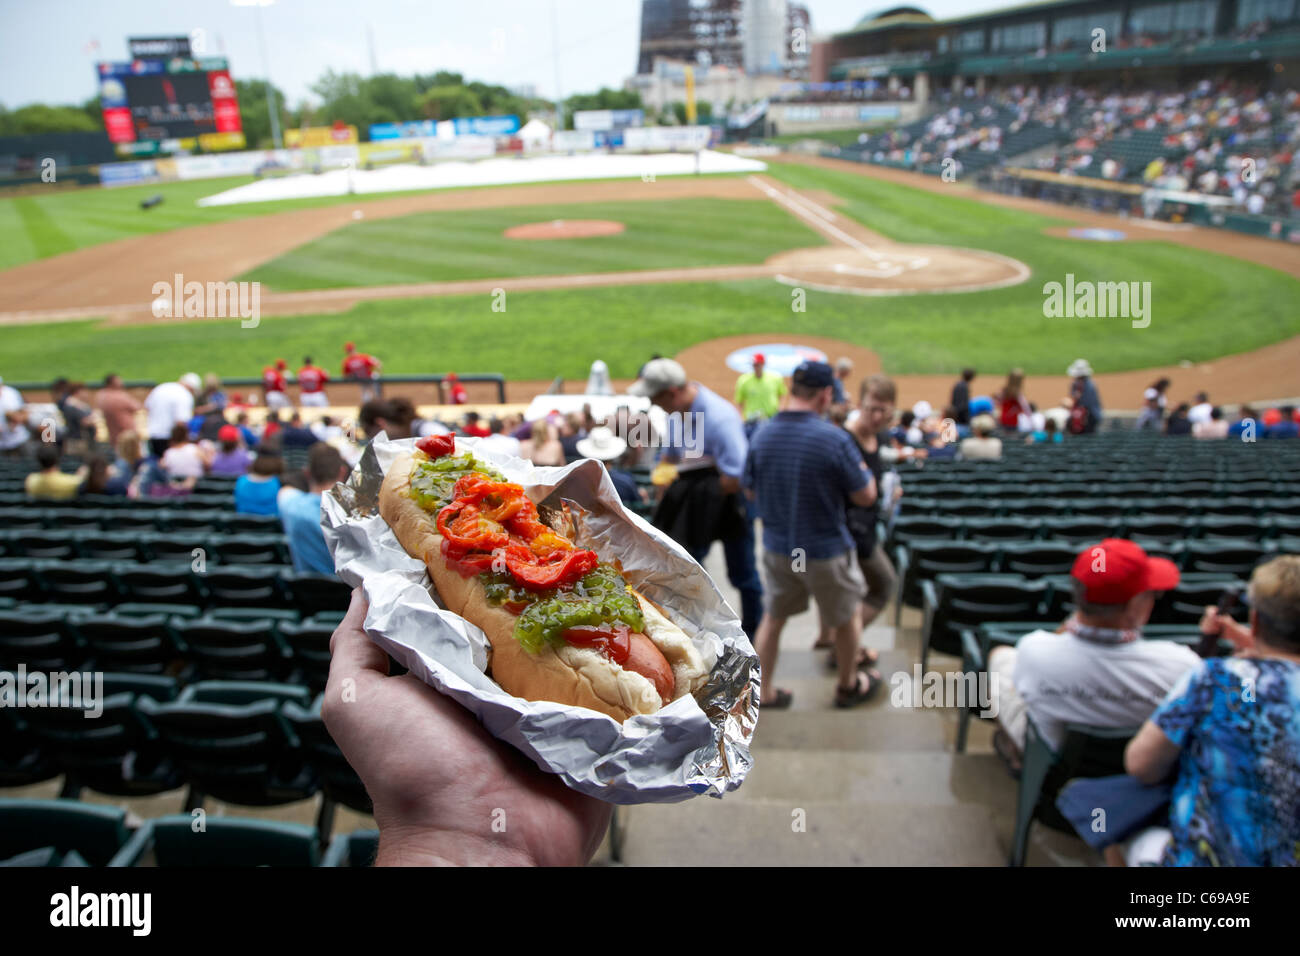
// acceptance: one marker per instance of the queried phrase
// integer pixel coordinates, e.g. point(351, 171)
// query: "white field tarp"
point(488, 172)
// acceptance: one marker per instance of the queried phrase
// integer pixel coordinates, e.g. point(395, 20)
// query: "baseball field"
point(902, 273)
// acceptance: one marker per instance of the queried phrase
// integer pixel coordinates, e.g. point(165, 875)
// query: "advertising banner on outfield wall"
point(308, 136)
point(127, 174)
point(597, 120)
point(659, 138)
point(230, 164)
point(573, 141)
point(467, 126)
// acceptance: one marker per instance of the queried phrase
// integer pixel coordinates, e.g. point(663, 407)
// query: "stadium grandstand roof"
point(889, 17)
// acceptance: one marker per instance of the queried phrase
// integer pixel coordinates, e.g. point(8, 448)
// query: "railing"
point(471, 378)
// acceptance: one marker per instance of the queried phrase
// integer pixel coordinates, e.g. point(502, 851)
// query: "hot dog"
point(563, 625)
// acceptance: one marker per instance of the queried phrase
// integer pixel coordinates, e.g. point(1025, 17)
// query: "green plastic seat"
point(176, 841)
point(95, 832)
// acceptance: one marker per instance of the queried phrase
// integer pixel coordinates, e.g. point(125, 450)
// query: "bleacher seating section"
point(213, 651)
point(213, 669)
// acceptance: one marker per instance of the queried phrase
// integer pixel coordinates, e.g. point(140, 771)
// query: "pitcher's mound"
point(565, 229)
point(897, 270)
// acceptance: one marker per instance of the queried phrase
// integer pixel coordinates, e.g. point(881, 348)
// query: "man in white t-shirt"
point(1201, 411)
point(1097, 670)
point(13, 429)
point(168, 405)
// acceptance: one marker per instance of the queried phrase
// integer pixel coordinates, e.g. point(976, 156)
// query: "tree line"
point(358, 100)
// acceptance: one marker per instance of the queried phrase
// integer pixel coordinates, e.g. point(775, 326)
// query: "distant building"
point(766, 43)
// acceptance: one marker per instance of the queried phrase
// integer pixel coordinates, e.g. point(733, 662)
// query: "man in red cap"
point(273, 385)
point(363, 369)
point(456, 393)
point(1095, 669)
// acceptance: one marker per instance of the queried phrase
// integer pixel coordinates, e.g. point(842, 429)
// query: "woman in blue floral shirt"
point(1231, 727)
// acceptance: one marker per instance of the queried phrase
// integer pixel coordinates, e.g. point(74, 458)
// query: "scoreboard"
point(177, 96)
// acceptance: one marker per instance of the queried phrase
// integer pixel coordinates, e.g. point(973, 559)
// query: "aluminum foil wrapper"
point(692, 746)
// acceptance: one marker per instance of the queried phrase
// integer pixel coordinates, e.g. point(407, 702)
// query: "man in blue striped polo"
point(803, 471)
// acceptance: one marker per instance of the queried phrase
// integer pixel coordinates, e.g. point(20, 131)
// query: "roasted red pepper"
point(435, 446)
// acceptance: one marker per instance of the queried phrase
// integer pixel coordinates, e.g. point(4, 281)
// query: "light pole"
point(271, 108)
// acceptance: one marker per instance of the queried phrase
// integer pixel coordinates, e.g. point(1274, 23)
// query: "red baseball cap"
point(758, 357)
point(281, 364)
point(227, 433)
point(1117, 570)
point(348, 347)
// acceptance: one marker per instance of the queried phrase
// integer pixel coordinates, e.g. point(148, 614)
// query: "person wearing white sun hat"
point(1085, 401)
point(603, 445)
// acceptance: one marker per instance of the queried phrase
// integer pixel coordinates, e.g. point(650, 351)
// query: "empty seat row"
point(224, 644)
point(70, 833)
point(974, 503)
point(189, 545)
point(218, 500)
point(909, 528)
point(107, 583)
point(34, 518)
point(247, 743)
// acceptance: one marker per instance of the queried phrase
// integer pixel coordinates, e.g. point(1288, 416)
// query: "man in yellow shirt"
point(49, 483)
point(759, 393)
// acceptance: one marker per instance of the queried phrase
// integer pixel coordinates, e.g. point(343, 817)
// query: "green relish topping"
point(601, 597)
point(432, 481)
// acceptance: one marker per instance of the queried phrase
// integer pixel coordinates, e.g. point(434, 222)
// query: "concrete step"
point(708, 832)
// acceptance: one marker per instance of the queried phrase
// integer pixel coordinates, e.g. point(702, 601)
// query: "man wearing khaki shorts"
point(801, 470)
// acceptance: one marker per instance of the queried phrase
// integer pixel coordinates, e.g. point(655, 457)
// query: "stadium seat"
point(38, 638)
point(1036, 558)
point(96, 833)
point(153, 583)
point(141, 644)
point(116, 752)
point(337, 778)
point(313, 593)
point(177, 841)
point(78, 582)
point(54, 545)
point(1086, 752)
point(248, 548)
point(1234, 556)
point(953, 601)
point(110, 546)
point(233, 650)
point(356, 849)
point(924, 559)
point(1017, 528)
point(243, 586)
point(239, 753)
point(309, 643)
point(22, 761)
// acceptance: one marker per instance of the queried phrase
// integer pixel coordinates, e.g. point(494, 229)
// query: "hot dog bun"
point(578, 676)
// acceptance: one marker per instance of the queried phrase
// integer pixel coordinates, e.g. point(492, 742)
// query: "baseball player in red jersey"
point(311, 385)
point(273, 385)
point(362, 368)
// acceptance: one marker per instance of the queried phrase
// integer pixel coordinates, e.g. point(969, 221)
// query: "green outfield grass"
point(544, 334)
point(1204, 306)
point(37, 226)
point(440, 246)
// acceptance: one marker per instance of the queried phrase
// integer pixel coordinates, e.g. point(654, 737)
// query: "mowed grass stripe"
point(96, 215)
point(1200, 306)
point(469, 244)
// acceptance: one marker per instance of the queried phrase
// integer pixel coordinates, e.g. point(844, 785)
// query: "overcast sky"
point(48, 47)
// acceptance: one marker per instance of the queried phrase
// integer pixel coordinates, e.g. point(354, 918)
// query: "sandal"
point(867, 659)
point(859, 694)
point(781, 701)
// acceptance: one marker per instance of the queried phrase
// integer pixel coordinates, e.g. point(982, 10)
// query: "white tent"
point(535, 134)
